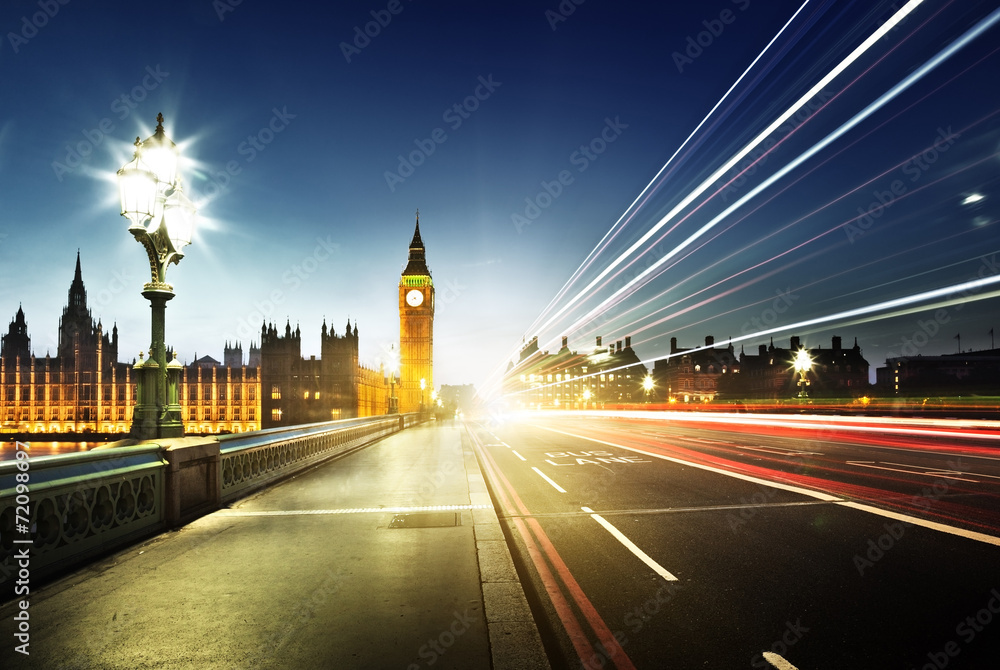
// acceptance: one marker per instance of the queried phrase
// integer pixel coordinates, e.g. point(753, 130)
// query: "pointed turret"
point(417, 262)
point(76, 305)
point(16, 342)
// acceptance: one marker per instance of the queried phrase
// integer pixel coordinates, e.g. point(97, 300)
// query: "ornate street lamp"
point(802, 365)
point(647, 386)
point(162, 220)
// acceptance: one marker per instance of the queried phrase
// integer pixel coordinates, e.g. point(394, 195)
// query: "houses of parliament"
point(84, 388)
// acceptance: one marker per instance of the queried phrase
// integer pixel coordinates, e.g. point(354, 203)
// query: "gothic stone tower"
point(416, 329)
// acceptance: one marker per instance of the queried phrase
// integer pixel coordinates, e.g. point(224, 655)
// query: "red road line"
point(585, 651)
point(563, 609)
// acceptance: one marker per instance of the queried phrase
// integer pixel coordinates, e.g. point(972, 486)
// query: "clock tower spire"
point(416, 328)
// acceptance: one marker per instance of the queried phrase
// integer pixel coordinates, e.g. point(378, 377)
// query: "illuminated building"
point(297, 390)
point(416, 329)
point(692, 375)
point(570, 380)
point(222, 397)
point(83, 389)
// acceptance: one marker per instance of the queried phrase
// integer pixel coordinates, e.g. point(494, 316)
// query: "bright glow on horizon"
point(894, 307)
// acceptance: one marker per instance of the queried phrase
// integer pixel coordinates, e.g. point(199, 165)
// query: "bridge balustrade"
point(85, 504)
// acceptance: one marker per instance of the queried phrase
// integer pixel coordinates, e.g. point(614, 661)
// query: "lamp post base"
point(157, 412)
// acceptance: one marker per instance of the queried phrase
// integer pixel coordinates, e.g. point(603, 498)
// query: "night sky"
point(527, 135)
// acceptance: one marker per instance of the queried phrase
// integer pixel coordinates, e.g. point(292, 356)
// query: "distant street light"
point(393, 363)
point(423, 387)
point(162, 220)
point(802, 365)
point(647, 386)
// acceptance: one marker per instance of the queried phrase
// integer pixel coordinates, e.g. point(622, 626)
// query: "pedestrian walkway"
point(390, 557)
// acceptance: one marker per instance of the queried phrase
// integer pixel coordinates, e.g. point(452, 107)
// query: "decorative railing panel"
point(251, 461)
point(79, 505)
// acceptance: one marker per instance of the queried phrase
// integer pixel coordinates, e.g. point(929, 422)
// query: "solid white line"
point(780, 451)
point(778, 661)
point(545, 477)
point(953, 472)
point(643, 556)
point(354, 510)
point(933, 473)
point(933, 525)
point(519, 455)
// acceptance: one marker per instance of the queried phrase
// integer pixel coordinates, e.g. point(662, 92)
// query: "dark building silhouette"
point(335, 386)
point(835, 372)
point(972, 372)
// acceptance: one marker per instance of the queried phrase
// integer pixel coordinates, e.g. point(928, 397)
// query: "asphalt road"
point(788, 543)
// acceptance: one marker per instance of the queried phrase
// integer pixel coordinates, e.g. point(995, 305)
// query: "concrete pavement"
point(389, 557)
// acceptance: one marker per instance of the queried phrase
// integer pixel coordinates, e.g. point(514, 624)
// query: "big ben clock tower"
point(416, 329)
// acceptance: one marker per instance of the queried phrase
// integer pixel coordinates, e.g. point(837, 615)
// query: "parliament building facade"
point(84, 388)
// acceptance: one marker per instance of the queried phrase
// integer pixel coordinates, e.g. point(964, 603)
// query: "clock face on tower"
point(414, 298)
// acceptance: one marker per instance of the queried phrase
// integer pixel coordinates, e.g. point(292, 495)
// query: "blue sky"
point(535, 126)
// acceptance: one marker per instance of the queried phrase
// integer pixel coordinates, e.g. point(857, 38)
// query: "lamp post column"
point(168, 414)
point(162, 220)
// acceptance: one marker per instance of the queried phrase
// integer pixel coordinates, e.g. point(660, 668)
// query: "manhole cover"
point(426, 520)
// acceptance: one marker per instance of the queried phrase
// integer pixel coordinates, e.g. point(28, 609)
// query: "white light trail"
point(886, 97)
point(735, 159)
point(601, 245)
